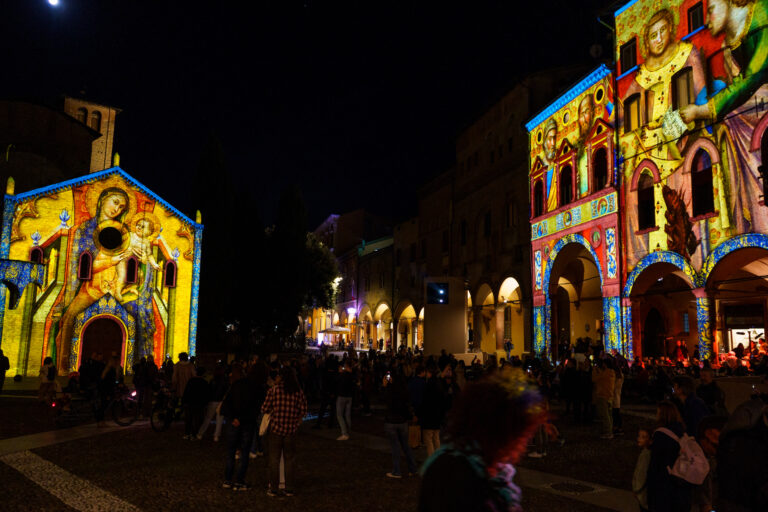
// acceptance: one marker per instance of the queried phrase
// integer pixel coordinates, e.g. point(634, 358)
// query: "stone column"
point(477, 326)
point(704, 309)
point(612, 323)
point(500, 327)
point(628, 350)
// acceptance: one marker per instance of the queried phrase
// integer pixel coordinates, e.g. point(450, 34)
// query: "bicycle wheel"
point(124, 411)
point(161, 418)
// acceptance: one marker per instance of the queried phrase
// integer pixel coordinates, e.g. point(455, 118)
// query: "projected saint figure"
point(586, 120)
point(672, 77)
point(550, 151)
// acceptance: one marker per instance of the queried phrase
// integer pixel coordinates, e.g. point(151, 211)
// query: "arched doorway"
point(485, 320)
point(510, 314)
point(383, 319)
point(654, 334)
point(576, 297)
point(406, 325)
point(104, 335)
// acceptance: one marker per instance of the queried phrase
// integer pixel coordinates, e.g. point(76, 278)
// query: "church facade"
point(96, 264)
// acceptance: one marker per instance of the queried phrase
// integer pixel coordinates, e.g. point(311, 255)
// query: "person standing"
point(5, 365)
point(47, 390)
point(640, 477)
point(508, 346)
point(666, 493)
point(618, 424)
point(399, 412)
point(182, 372)
point(195, 398)
point(218, 389)
point(488, 430)
point(286, 404)
point(239, 409)
point(346, 390)
point(431, 412)
point(694, 409)
point(604, 380)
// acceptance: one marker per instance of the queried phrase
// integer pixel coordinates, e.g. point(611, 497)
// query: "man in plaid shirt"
point(287, 406)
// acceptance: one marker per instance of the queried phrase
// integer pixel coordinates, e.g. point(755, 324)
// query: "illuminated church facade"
point(96, 264)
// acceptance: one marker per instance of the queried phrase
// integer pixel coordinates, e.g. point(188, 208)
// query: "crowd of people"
point(454, 410)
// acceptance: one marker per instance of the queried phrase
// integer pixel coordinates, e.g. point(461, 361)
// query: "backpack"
point(691, 465)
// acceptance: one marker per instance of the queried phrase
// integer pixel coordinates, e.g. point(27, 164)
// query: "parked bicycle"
point(70, 410)
point(165, 409)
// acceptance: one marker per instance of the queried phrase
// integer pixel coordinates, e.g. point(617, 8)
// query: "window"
point(632, 113)
point(701, 184)
point(413, 252)
point(645, 208)
point(566, 185)
point(695, 17)
point(95, 122)
point(487, 224)
point(36, 255)
point(538, 199)
point(682, 88)
point(686, 321)
point(628, 55)
point(463, 233)
point(169, 278)
point(445, 241)
point(81, 115)
point(84, 266)
point(131, 270)
point(508, 323)
point(600, 169)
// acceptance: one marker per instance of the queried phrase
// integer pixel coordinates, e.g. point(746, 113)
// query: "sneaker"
point(215, 439)
point(272, 494)
point(287, 493)
point(226, 485)
point(536, 455)
point(342, 437)
point(413, 473)
point(241, 487)
point(394, 475)
point(606, 436)
point(237, 455)
point(252, 455)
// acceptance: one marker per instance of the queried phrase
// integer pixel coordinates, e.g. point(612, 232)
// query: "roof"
point(585, 83)
point(96, 176)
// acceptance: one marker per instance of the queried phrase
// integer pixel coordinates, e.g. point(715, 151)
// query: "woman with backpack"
point(666, 493)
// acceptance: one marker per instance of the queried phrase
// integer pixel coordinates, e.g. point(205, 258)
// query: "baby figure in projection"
point(145, 230)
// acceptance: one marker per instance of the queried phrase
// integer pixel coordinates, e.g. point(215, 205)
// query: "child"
point(640, 477)
point(144, 231)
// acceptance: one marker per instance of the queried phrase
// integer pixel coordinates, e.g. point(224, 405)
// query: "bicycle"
point(70, 411)
point(125, 406)
point(165, 410)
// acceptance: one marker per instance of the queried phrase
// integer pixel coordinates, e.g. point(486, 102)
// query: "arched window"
point(169, 277)
point(81, 115)
point(702, 192)
point(84, 266)
point(600, 169)
point(538, 199)
point(131, 270)
point(645, 208)
point(36, 255)
point(95, 122)
point(566, 185)
point(508, 323)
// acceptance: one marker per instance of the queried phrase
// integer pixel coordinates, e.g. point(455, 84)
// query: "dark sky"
point(358, 102)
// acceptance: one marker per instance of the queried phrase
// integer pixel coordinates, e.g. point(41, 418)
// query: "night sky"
point(357, 102)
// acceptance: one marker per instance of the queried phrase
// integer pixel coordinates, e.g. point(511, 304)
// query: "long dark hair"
point(290, 381)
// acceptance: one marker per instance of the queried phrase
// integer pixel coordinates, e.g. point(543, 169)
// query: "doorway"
point(654, 334)
point(103, 335)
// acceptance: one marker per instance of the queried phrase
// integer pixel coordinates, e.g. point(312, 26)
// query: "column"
point(612, 323)
point(477, 327)
point(704, 309)
point(540, 329)
point(628, 350)
point(499, 318)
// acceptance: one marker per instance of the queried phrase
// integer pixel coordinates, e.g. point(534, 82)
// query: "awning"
point(335, 330)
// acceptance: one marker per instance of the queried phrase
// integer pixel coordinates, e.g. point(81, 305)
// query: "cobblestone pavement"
point(151, 471)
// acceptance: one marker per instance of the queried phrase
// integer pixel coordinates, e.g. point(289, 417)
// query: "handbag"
point(264, 424)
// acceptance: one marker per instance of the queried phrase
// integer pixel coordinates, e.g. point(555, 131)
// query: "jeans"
point(238, 438)
point(210, 412)
point(431, 440)
point(344, 413)
point(278, 445)
point(193, 418)
point(398, 439)
point(603, 410)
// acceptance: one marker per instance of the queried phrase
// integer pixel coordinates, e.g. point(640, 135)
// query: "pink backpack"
point(691, 465)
